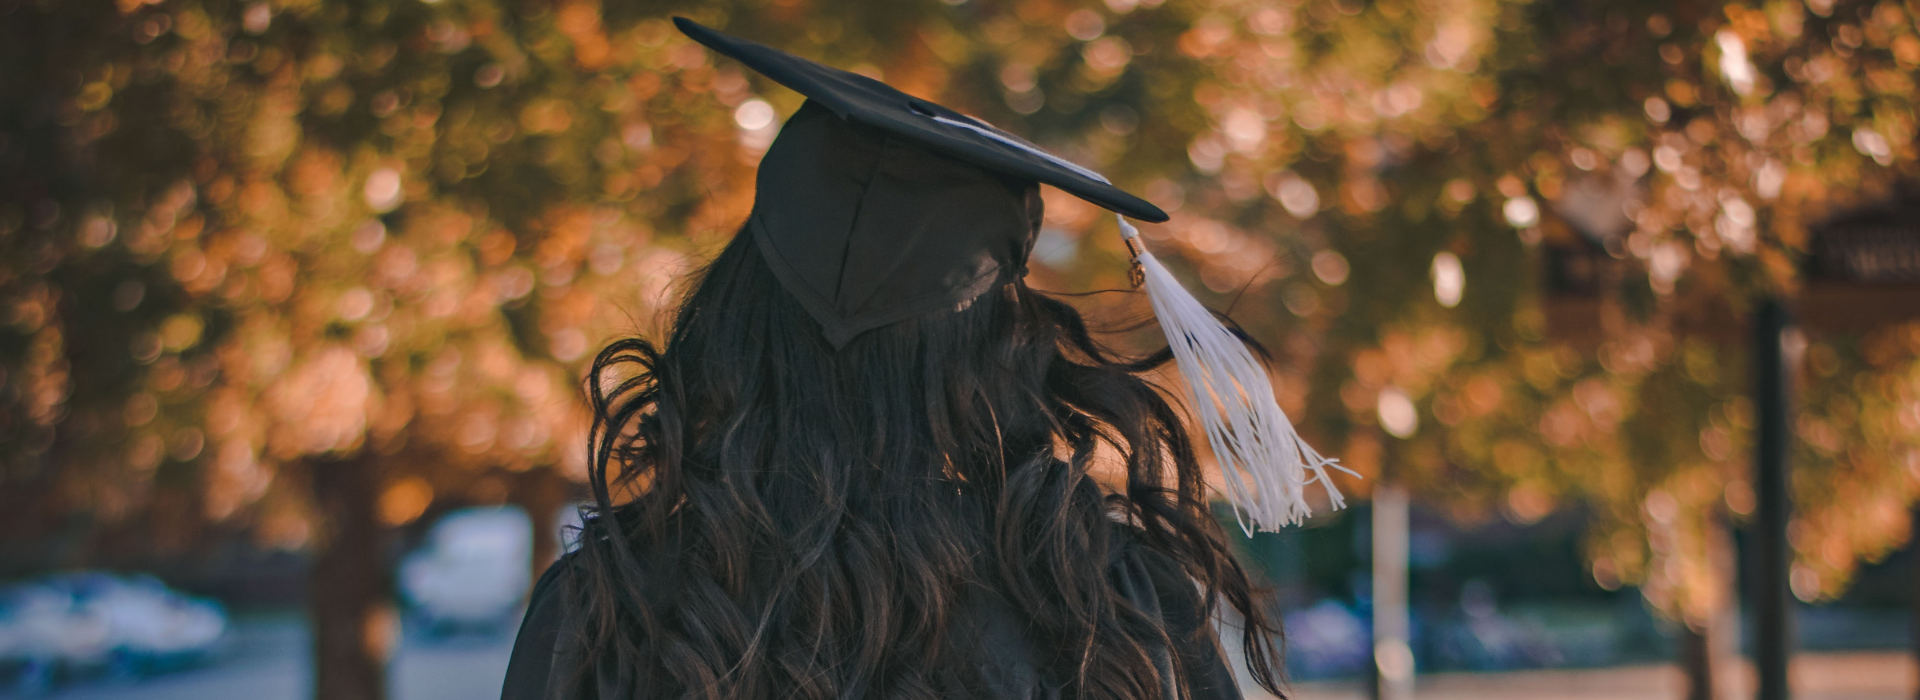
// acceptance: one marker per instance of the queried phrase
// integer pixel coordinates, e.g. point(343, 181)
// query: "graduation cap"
point(873, 206)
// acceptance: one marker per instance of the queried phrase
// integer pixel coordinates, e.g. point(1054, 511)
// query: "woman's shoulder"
point(530, 668)
point(1155, 582)
point(549, 591)
point(1159, 586)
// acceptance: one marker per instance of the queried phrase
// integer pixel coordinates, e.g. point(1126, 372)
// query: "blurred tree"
point(312, 266)
point(302, 268)
point(1694, 143)
point(1443, 152)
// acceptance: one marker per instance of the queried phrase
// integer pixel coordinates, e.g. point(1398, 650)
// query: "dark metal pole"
point(1773, 438)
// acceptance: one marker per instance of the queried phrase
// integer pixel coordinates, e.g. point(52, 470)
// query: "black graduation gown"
point(1154, 583)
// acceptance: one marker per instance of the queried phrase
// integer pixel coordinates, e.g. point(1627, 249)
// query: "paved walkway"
point(267, 660)
point(1847, 676)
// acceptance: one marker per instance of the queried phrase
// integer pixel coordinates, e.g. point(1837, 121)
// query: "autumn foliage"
point(245, 242)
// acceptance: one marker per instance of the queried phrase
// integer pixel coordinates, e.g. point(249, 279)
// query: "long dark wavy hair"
point(775, 518)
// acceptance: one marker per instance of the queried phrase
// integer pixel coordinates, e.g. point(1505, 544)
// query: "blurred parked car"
point(1482, 638)
point(1327, 640)
point(85, 623)
point(472, 572)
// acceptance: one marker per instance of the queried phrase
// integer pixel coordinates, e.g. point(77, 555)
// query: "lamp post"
point(1392, 621)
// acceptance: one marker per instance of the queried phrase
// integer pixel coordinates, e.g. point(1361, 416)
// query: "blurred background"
point(1611, 302)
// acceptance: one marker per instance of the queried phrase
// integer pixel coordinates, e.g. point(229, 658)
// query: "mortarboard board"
point(873, 206)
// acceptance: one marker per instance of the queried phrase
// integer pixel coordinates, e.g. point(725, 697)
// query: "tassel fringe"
point(1264, 463)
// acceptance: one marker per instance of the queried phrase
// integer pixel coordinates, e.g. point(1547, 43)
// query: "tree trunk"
point(1773, 508)
point(1710, 648)
point(351, 597)
point(542, 492)
point(1696, 660)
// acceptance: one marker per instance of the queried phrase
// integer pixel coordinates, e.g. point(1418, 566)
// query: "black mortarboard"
point(867, 102)
point(873, 206)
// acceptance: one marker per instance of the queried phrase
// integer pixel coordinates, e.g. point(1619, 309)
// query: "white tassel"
point(1266, 466)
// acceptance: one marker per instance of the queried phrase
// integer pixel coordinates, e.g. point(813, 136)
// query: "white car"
point(81, 622)
point(472, 571)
